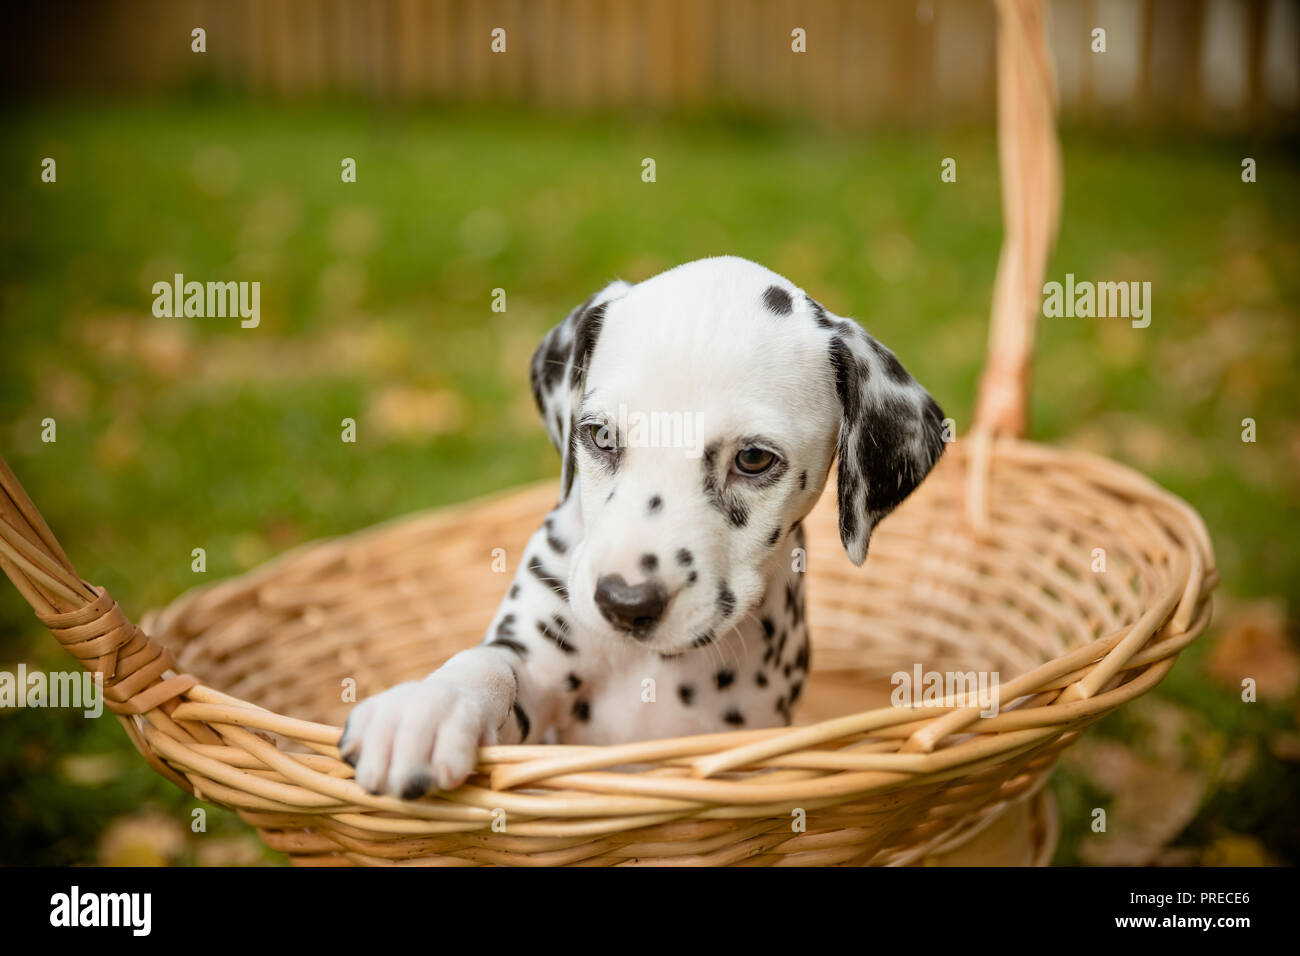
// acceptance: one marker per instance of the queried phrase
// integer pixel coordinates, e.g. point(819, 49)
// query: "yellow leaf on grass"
point(1253, 642)
point(1237, 849)
point(146, 839)
point(90, 770)
point(400, 411)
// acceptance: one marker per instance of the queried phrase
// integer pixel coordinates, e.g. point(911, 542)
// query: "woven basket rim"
point(1183, 607)
point(437, 515)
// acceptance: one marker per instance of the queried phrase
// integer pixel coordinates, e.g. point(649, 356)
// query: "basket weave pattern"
point(888, 785)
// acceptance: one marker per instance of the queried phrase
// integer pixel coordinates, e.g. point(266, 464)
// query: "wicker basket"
point(991, 566)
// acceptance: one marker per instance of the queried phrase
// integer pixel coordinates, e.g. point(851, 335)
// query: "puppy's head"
point(698, 414)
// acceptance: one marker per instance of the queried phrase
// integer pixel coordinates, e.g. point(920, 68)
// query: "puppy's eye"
point(754, 461)
point(601, 437)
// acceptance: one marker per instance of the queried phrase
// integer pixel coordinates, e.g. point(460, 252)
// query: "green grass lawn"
point(182, 433)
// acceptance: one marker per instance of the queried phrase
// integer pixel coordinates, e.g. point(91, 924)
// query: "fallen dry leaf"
point(250, 549)
point(1178, 856)
point(65, 392)
point(1237, 849)
point(1285, 746)
point(1153, 801)
point(118, 445)
point(1253, 642)
point(400, 411)
point(146, 839)
point(90, 770)
point(165, 346)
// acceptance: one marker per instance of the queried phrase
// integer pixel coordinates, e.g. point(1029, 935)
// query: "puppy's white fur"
point(758, 363)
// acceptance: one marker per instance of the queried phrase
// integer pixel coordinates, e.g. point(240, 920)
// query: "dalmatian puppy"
point(663, 594)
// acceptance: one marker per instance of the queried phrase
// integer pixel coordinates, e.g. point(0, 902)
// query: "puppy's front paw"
point(416, 736)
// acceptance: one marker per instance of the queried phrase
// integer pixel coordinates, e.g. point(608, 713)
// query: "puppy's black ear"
point(559, 373)
point(891, 433)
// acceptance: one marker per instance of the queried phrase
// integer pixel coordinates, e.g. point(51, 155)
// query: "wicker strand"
point(1030, 162)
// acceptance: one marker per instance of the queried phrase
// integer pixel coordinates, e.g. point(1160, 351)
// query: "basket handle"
point(1030, 159)
point(83, 618)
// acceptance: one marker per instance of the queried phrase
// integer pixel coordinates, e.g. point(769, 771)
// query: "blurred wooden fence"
point(1231, 61)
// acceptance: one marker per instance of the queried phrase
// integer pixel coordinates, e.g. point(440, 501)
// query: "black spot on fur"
point(793, 604)
point(850, 374)
point(795, 691)
point(510, 644)
point(684, 557)
point(933, 413)
point(570, 466)
point(708, 637)
point(514, 590)
point(886, 446)
point(506, 627)
point(893, 367)
point(768, 629)
point(801, 659)
point(556, 631)
point(726, 600)
point(734, 717)
point(709, 463)
point(803, 480)
point(654, 505)
point(760, 679)
point(692, 577)
point(582, 710)
point(848, 495)
point(548, 363)
point(573, 680)
point(778, 300)
point(885, 461)
point(525, 725)
point(774, 537)
point(584, 342)
point(555, 543)
point(818, 312)
point(649, 563)
point(724, 678)
point(736, 513)
point(687, 694)
point(551, 581)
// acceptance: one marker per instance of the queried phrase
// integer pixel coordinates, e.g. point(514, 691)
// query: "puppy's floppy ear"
point(559, 373)
point(891, 433)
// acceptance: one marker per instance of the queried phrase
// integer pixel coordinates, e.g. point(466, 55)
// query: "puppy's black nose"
point(631, 607)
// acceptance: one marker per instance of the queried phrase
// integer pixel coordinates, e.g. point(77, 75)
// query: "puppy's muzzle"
point(631, 607)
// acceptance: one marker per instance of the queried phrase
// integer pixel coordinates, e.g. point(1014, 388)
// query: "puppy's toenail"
point(416, 786)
